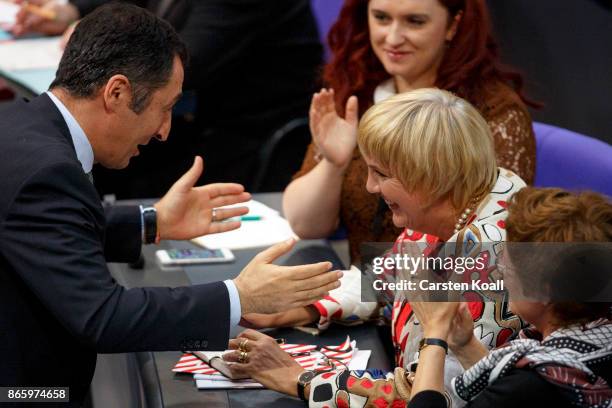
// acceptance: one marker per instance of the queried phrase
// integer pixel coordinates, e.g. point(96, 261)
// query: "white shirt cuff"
point(235, 307)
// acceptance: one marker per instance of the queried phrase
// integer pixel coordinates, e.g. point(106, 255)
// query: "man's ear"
point(117, 93)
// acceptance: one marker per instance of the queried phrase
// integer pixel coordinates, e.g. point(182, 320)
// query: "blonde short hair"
point(433, 142)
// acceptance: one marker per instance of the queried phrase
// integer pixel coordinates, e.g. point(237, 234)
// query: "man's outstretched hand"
point(185, 211)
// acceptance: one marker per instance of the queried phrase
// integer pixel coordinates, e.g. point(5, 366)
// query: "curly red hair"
point(470, 68)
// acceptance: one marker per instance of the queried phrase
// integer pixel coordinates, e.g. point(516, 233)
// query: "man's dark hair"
point(120, 38)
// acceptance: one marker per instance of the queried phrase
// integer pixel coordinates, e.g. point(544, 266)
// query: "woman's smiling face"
point(409, 37)
point(409, 209)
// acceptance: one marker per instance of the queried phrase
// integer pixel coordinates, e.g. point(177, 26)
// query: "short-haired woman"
point(459, 196)
point(565, 358)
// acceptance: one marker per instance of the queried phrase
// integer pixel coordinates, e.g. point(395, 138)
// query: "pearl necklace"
point(464, 215)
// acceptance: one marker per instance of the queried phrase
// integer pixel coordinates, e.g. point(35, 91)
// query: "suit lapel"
point(49, 112)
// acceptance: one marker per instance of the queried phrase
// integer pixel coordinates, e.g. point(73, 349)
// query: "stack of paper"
point(269, 230)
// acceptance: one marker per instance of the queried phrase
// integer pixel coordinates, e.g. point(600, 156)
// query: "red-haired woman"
point(383, 47)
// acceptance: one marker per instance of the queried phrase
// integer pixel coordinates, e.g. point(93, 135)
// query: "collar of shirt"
point(384, 90)
point(81, 143)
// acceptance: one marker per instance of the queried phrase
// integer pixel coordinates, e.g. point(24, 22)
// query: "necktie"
point(90, 177)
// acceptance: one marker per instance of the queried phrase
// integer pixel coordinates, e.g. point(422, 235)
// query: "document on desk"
point(261, 227)
point(35, 53)
point(309, 356)
point(208, 382)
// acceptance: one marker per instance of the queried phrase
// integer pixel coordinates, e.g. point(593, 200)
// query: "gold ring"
point(243, 345)
point(214, 215)
point(243, 357)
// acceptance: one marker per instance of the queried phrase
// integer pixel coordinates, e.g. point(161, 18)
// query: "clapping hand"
point(334, 136)
point(435, 317)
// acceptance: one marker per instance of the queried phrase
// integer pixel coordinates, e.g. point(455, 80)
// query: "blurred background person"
point(253, 67)
point(381, 48)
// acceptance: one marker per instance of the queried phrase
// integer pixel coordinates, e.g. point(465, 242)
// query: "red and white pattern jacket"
point(493, 323)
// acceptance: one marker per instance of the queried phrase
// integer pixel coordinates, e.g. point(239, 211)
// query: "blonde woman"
point(430, 157)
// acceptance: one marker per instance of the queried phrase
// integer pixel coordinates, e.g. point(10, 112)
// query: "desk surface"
point(179, 389)
point(39, 61)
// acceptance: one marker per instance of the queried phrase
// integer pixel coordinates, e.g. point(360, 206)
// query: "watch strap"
point(303, 380)
point(149, 219)
point(433, 342)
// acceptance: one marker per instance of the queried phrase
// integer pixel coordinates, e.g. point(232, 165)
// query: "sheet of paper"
point(28, 54)
point(8, 10)
point(360, 360)
point(270, 230)
point(226, 384)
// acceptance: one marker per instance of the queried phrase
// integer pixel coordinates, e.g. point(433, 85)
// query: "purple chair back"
point(325, 12)
point(572, 161)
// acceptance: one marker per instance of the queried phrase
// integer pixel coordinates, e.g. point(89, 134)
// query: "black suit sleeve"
point(53, 235)
point(123, 236)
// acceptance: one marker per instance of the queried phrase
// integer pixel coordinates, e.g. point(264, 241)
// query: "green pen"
point(251, 218)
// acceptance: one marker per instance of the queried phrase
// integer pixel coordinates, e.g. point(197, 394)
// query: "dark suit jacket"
point(59, 305)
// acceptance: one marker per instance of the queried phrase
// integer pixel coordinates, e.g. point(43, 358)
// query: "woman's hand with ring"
point(266, 362)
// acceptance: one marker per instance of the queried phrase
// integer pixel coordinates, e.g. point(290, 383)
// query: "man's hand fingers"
point(220, 189)
point(225, 213)
point(274, 252)
point(316, 293)
point(302, 272)
point(190, 178)
point(229, 199)
point(319, 281)
point(307, 302)
point(217, 227)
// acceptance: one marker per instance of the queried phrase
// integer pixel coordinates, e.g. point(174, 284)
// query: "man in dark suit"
point(120, 75)
point(254, 67)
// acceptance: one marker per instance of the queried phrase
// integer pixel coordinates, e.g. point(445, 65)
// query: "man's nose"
point(164, 130)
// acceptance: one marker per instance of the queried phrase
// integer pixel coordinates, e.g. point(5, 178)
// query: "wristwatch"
point(149, 220)
point(303, 380)
point(433, 342)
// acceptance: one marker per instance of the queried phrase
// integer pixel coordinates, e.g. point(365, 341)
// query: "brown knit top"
point(512, 132)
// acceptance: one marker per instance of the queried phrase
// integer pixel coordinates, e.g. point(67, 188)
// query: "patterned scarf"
point(564, 359)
